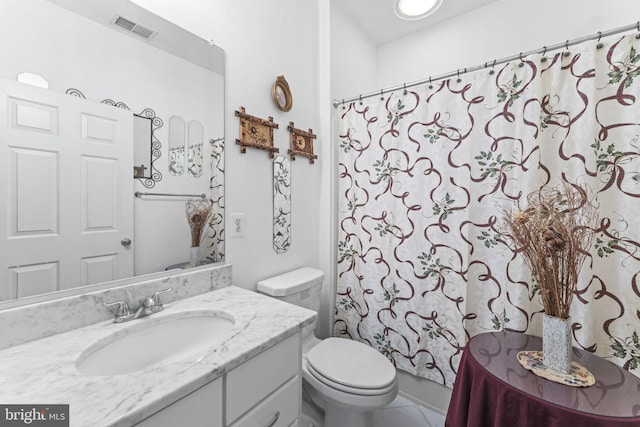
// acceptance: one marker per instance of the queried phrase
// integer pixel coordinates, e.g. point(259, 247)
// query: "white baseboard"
point(424, 392)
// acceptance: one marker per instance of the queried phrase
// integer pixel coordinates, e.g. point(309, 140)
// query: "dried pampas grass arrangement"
point(553, 233)
point(197, 211)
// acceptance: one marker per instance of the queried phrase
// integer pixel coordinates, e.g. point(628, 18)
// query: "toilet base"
point(312, 414)
point(337, 414)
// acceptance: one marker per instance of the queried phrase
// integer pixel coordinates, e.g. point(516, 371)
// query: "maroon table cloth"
point(492, 389)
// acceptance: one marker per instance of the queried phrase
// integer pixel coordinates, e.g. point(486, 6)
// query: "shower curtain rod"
point(493, 63)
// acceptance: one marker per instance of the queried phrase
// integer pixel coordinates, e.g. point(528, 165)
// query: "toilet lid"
point(351, 363)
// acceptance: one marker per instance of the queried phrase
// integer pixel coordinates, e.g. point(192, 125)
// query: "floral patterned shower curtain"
point(423, 177)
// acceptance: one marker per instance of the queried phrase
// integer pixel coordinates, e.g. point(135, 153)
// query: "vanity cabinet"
point(265, 391)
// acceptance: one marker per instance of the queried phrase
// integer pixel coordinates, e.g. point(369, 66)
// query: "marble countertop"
point(44, 371)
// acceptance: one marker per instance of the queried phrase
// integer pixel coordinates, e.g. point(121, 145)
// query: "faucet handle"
point(121, 312)
point(156, 296)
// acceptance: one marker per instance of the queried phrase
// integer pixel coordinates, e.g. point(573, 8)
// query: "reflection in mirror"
point(67, 205)
point(170, 73)
point(151, 143)
point(176, 145)
point(33, 80)
point(214, 236)
point(195, 149)
point(146, 146)
point(141, 146)
point(281, 204)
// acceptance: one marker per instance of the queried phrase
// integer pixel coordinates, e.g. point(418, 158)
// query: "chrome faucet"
point(147, 307)
point(150, 305)
point(122, 312)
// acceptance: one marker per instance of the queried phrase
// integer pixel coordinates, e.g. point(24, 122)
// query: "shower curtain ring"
point(360, 99)
point(343, 107)
point(458, 73)
point(492, 71)
point(521, 60)
point(404, 87)
point(544, 52)
point(638, 35)
point(599, 45)
point(566, 46)
point(430, 85)
point(381, 95)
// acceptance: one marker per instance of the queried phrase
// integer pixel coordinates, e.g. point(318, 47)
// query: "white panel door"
point(66, 191)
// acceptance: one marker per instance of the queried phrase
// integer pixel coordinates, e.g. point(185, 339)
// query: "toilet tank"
point(300, 287)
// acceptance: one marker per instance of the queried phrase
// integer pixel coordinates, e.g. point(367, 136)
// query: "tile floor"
point(404, 413)
point(399, 413)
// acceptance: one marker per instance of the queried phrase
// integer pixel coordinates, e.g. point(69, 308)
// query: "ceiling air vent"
point(132, 27)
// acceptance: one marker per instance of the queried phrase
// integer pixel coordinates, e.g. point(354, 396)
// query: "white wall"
point(500, 29)
point(354, 56)
point(263, 40)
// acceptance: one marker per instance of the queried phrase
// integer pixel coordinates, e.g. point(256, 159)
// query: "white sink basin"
point(145, 342)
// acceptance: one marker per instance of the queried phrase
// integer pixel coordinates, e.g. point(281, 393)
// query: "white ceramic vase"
point(194, 255)
point(556, 343)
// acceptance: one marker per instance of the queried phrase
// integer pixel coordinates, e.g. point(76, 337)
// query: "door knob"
point(125, 242)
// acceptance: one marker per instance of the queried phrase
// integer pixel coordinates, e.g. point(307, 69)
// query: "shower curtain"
point(425, 173)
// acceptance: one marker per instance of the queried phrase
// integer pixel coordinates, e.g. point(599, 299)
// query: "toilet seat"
point(351, 390)
point(332, 362)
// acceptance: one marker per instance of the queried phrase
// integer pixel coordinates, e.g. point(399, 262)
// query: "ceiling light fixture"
point(412, 10)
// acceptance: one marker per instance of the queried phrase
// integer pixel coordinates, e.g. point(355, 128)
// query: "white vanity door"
point(66, 193)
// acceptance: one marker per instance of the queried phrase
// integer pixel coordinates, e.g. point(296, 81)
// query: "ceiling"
point(378, 20)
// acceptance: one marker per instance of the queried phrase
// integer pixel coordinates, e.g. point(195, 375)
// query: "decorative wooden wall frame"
point(301, 143)
point(256, 133)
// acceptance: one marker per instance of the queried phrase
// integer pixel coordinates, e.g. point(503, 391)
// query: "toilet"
point(346, 378)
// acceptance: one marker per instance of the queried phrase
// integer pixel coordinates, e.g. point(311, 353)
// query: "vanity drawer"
point(201, 408)
point(278, 410)
point(255, 379)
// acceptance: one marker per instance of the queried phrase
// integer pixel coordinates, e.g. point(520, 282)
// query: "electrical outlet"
point(237, 225)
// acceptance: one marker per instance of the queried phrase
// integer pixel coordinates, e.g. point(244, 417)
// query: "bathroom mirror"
point(281, 204)
point(132, 71)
